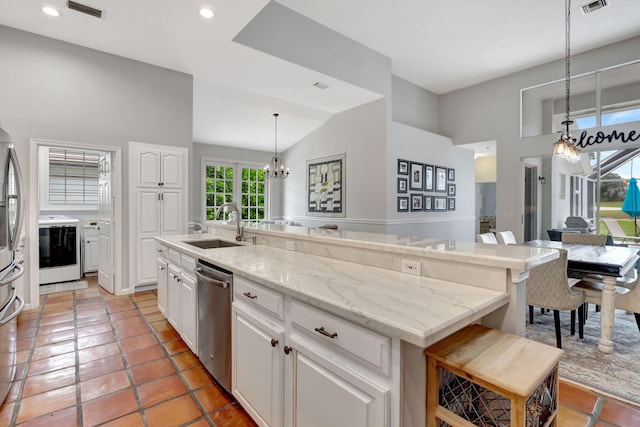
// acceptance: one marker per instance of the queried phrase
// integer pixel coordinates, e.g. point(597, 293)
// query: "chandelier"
point(276, 169)
point(564, 147)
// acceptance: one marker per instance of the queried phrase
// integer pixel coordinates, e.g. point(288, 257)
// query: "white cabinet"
point(159, 200)
point(189, 321)
point(178, 293)
point(162, 286)
point(174, 303)
point(90, 249)
point(258, 365)
point(159, 166)
point(323, 393)
point(296, 365)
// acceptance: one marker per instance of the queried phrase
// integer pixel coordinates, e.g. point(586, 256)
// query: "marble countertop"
point(511, 256)
point(415, 309)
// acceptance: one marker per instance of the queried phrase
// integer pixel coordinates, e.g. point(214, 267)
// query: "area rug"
point(616, 374)
point(63, 286)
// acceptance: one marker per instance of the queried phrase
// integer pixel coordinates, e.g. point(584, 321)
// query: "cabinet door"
point(148, 223)
point(162, 286)
point(171, 205)
point(326, 394)
point(189, 322)
point(172, 164)
point(148, 168)
point(92, 254)
point(258, 366)
point(174, 303)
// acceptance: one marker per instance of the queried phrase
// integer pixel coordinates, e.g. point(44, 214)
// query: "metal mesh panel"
point(483, 407)
point(542, 402)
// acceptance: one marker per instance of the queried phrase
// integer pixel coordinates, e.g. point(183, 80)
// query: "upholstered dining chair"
point(584, 239)
point(486, 238)
point(549, 287)
point(505, 238)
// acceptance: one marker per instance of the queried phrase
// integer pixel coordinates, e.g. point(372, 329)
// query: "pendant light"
point(564, 147)
point(276, 169)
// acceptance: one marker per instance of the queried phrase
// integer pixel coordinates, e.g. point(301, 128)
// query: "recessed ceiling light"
point(50, 11)
point(206, 13)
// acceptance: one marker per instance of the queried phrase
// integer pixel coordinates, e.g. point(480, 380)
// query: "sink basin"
point(210, 244)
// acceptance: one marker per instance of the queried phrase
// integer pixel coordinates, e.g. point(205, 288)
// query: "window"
point(68, 178)
point(233, 182)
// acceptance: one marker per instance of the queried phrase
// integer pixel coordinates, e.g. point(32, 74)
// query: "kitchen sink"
point(210, 244)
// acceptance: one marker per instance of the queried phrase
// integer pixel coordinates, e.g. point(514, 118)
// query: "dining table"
point(610, 262)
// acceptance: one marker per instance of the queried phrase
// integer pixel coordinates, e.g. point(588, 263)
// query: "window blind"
point(73, 177)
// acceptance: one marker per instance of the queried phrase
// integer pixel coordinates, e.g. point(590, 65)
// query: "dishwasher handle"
point(211, 280)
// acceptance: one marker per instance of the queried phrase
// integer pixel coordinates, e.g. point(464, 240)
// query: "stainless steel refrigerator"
point(11, 218)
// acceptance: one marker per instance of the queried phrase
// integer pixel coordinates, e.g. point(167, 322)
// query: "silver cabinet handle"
point(321, 330)
point(249, 295)
point(15, 313)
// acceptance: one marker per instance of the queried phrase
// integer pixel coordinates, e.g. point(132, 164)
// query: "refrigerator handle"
point(14, 238)
point(4, 280)
point(15, 313)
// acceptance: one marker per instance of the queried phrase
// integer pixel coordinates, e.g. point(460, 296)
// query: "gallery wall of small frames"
point(423, 187)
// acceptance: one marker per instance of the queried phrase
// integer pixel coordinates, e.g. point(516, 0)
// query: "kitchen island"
point(353, 281)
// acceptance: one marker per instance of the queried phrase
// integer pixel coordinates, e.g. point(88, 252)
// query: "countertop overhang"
point(416, 309)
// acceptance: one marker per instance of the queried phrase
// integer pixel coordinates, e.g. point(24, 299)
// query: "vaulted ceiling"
point(439, 45)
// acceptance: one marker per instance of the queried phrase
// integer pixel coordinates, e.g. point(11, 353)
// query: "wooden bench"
point(483, 376)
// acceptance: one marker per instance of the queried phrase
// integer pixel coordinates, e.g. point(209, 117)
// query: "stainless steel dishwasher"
point(214, 321)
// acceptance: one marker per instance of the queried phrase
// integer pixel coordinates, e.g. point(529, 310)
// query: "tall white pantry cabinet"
point(158, 197)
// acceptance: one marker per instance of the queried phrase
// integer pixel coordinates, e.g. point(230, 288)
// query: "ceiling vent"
point(594, 5)
point(83, 8)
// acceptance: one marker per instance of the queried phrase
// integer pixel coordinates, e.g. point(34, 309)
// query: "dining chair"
point(486, 238)
point(505, 238)
point(549, 287)
point(584, 238)
point(627, 296)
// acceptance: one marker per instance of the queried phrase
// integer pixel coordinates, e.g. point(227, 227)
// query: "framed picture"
point(415, 176)
point(451, 176)
point(403, 204)
point(416, 202)
point(402, 185)
point(326, 186)
point(403, 167)
point(439, 203)
point(452, 204)
point(428, 177)
point(441, 179)
point(451, 189)
point(428, 203)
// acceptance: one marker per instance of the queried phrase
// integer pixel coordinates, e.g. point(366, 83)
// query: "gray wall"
point(286, 34)
point(55, 90)
point(491, 111)
point(414, 106)
point(360, 133)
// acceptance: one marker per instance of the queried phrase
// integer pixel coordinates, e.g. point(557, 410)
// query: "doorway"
point(530, 202)
point(106, 209)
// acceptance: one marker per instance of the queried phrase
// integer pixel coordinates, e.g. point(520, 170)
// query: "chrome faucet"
point(196, 226)
point(233, 206)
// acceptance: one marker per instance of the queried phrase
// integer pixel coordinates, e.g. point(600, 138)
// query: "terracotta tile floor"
point(88, 358)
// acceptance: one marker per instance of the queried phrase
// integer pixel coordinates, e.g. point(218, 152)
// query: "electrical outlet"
point(411, 267)
point(290, 245)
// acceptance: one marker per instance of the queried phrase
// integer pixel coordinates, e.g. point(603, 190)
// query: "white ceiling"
point(439, 45)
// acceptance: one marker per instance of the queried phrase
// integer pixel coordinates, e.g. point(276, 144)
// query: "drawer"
point(357, 341)
point(256, 295)
point(174, 256)
point(162, 251)
point(187, 263)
